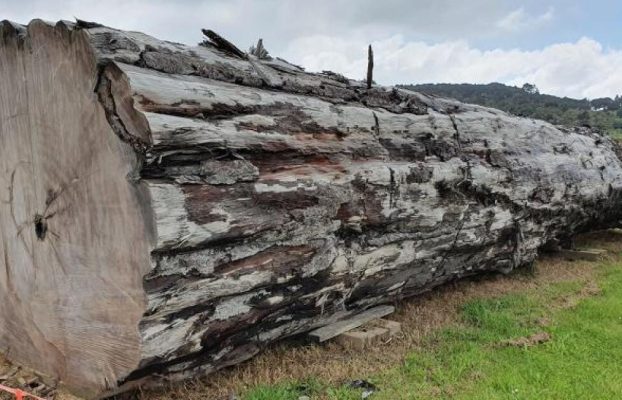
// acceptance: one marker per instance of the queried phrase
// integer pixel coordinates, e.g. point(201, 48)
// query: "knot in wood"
point(41, 226)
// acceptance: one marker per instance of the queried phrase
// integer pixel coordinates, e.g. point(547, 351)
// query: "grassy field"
point(471, 340)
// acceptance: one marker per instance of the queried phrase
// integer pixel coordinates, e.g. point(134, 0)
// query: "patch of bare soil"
point(529, 341)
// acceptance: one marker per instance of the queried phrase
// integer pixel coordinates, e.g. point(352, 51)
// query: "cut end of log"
point(68, 217)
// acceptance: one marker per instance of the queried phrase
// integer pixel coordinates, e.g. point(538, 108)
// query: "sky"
point(565, 47)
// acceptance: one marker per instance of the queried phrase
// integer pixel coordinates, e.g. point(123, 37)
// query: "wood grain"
point(74, 240)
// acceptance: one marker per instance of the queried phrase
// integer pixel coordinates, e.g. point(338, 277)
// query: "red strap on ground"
point(19, 394)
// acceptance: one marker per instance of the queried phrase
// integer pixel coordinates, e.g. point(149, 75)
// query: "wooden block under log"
point(586, 254)
point(362, 338)
point(336, 329)
point(369, 334)
point(393, 327)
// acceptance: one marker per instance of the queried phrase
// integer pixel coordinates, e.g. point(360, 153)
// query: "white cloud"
point(580, 69)
point(418, 37)
point(278, 21)
point(519, 20)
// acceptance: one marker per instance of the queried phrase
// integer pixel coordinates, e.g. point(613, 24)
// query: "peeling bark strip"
point(223, 44)
point(168, 210)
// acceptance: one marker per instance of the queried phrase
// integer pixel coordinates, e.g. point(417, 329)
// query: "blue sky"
point(599, 20)
point(569, 21)
point(568, 48)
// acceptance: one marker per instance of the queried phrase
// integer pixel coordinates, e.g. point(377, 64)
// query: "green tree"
point(583, 118)
point(528, 102)
point(530, 88)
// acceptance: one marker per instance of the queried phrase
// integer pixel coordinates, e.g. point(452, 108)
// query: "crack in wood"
point(103, 88)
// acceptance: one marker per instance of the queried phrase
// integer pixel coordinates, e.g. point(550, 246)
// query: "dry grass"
point(419, 316)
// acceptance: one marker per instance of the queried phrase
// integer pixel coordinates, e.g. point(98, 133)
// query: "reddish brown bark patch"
point(278, 258)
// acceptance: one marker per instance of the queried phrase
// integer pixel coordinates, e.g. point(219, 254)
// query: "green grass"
point(469, 360)
point(581, 362)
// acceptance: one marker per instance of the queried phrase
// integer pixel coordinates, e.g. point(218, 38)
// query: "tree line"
point(602, 113)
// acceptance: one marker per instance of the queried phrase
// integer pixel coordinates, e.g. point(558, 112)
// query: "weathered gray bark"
point(169, 210)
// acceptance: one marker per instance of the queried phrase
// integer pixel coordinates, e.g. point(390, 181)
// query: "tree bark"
point(169, 210)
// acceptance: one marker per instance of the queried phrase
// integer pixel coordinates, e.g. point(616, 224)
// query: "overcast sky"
point(566, 47)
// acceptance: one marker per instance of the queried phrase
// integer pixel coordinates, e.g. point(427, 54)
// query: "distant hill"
point(604, 113)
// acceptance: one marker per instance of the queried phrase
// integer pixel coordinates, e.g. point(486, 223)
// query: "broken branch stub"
point(199, 205)
point(223, 44)
point(370, 67)
point(260, 51)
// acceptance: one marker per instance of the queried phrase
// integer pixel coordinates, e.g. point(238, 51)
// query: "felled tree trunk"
point(169, 210)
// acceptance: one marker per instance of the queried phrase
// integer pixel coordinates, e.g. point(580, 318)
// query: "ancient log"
point(168, 210)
